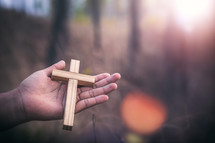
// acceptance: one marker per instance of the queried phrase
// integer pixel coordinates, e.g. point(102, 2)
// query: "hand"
point(43, 99)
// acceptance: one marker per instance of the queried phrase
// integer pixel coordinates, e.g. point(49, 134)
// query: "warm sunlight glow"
point(188, 12)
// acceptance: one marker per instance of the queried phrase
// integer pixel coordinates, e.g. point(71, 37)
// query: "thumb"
point(59, 65)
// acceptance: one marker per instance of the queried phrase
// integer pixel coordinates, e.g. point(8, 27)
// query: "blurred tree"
point(134, 35)
point(211, 73)
point(18, 5)
point(95, 10)
point(175, 80)
point(59, 34)
point(37, 6)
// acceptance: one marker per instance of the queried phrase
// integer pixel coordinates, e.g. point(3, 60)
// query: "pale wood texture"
point(71, 97)
point(61, 75)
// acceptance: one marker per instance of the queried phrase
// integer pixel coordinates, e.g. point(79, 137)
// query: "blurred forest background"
point(164, 49)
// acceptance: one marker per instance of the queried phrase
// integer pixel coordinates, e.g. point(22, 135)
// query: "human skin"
point(40, 98)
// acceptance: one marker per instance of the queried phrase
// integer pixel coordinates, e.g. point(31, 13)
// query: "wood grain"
point(85, 80)
point(69, 112)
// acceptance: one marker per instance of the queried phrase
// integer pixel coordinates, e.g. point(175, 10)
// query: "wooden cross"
point(74, 79)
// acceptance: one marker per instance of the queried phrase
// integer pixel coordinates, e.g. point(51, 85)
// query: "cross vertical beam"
point(71, 97)
point(73, 78)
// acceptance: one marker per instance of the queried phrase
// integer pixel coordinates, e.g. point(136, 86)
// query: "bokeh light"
point(142, 113)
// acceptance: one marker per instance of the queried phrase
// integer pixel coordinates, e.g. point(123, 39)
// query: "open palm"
point(44, 99)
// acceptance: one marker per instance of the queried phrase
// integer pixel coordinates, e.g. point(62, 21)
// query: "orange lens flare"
point(142, 113)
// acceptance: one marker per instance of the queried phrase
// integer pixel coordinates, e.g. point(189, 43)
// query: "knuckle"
point(95, 85)
point(91, 93)
point(86, 102)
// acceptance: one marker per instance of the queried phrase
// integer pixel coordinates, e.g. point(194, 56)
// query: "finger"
point(110, 79)
point(86, 103)
point(101, 76)
point(83, 89)
point(98, 91)
point(59, 65)
point(98, 77)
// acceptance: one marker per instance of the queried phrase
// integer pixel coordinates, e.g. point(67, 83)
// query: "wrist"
point(19, 98)
point(11, 109)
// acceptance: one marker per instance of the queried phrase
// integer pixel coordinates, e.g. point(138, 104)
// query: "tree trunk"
point(134, 35)
point(59, 33)
point(95, 9)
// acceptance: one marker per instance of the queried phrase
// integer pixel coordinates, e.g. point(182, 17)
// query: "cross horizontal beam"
point(61, 75)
